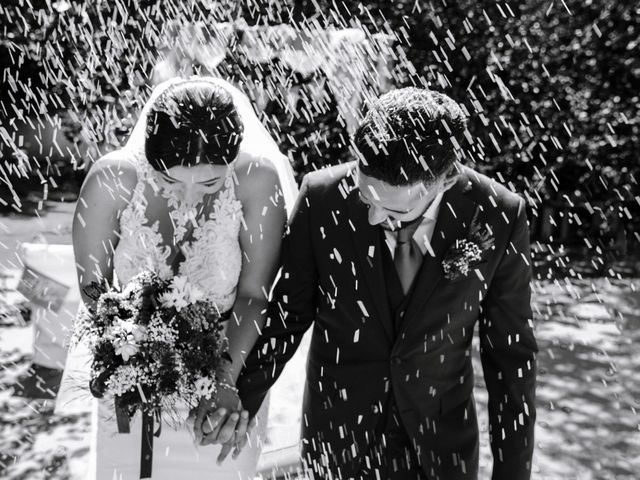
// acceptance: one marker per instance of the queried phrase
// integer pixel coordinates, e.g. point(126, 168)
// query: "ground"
point(588, 393)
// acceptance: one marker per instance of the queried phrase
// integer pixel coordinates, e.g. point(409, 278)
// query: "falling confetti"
point(550, 92)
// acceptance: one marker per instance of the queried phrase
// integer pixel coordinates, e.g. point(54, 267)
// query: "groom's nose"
point(377, 215)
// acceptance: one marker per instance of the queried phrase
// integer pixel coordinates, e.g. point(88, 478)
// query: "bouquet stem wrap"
point(122, 418)
point(146, 451)
point(149, 419)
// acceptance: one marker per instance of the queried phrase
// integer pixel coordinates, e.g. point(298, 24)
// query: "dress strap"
point(146, 172)
point(230, 180)
point(134, 214)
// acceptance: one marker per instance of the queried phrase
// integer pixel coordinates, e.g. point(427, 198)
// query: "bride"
point(200, 190)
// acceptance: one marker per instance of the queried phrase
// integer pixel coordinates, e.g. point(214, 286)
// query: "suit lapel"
point(454, 217)
point(368, 247)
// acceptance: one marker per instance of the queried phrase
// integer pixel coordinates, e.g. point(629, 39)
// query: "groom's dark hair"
point(410, 135)
point(193, 122)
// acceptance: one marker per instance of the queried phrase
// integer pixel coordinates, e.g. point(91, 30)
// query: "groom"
point(394, 259)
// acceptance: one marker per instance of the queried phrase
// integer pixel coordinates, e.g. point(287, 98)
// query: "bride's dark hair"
point(190, 123)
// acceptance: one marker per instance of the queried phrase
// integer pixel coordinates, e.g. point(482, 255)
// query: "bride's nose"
point(192, 193)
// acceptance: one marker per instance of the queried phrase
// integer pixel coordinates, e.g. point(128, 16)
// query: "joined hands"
point(222, 420)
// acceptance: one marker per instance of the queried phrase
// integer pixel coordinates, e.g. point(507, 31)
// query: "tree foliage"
point(551, 88)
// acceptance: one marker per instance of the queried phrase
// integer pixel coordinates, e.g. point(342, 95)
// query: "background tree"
point(551, 88)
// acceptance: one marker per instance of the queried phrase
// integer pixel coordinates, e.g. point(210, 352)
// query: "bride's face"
point(192, 183)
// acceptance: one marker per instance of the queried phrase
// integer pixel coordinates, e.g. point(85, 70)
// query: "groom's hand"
point(225, 430)
point(220, 431)
point(240, 438)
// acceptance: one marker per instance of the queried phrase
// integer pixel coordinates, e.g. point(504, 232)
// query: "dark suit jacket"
point(332, 277)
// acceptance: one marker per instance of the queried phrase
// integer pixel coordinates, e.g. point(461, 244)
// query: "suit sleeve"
point(508, 352)
point(290, 312)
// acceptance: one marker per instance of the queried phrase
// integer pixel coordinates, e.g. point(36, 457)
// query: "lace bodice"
point(212, 258)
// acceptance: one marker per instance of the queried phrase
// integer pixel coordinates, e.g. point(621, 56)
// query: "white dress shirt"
point(423, 233)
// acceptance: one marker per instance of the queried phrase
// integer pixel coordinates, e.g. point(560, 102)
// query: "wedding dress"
point(212, 260)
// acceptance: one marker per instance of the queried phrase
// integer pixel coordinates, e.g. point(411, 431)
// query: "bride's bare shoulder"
point(255, 174)
point(113, 175)
point(117, 161)
point(115, 166)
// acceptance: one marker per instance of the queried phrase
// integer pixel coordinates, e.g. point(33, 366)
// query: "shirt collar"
point(431, 214)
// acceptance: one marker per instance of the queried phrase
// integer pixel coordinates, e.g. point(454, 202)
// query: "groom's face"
point(392, 206)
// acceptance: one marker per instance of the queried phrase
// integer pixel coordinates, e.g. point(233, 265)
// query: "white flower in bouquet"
point(126, 337)
point(195, 294)
point(127, 348)
point(181, 294)
point(158, 331)
point(204, 387)
point(139, 333)
point(129, 328)
point(177, 296)
point(124, 379)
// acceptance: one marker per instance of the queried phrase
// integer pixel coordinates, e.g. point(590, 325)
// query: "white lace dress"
point(212, 260)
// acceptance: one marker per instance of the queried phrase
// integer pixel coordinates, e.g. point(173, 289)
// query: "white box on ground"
point(49, 282)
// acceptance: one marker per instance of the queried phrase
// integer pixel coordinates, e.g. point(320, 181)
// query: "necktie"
point(407, 256)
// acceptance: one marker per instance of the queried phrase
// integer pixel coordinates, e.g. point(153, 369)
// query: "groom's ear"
point(450, 182)
point(451, 178)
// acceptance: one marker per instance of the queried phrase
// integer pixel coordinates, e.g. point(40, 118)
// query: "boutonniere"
point(465, 253)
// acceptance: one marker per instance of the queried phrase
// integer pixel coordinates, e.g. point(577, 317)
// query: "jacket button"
point(396, 360)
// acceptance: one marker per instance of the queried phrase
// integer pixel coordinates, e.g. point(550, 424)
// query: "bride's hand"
point(202, 413)
point(211, 414)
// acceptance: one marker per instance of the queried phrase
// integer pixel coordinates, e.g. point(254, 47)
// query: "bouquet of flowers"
point(156, 344)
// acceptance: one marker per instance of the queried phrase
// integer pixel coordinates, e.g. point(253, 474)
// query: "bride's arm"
point(104, 194)
point(260, 239)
